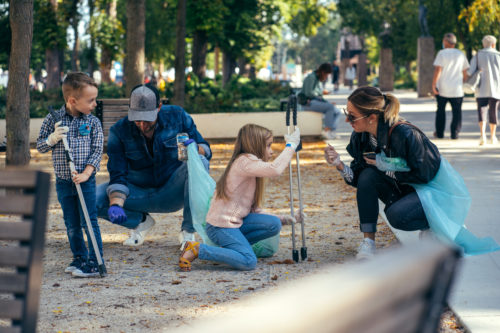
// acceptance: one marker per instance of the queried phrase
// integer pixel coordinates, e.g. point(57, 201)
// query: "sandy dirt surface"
point(144, 289)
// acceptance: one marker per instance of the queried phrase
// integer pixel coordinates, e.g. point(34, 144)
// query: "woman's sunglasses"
point(351, 118)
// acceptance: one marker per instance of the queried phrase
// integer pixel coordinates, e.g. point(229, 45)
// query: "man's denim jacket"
point(129, 159)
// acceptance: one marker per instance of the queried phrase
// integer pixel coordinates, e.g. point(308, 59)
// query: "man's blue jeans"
point(235, 243)
point(331, 112)
point(166, 199)
point(74, 218)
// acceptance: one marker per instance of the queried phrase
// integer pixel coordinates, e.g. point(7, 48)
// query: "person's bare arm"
point(435, 78)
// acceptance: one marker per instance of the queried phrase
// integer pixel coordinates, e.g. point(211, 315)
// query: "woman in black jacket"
point(374, 117)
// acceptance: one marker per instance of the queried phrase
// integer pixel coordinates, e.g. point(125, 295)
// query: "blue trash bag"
point(201, 190)
point(446, 202)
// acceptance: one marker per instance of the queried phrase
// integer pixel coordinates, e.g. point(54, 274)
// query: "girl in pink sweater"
point(234, 220)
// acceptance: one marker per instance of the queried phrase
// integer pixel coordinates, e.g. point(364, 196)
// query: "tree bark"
point(106, 53)
point(91, 56)
point(53, 65)
point(74, 20)
point(180, 55)
point(386, 76)
point(228, 66)
point(18, 97)
point(199, 56)
point(216, 65)
point(136, 37)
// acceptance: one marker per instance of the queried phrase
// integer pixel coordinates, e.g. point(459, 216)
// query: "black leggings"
point(490, 106)
point(402, 205)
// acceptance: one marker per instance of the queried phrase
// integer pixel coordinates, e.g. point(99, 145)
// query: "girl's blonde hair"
point(251, 139)
point(370, 100)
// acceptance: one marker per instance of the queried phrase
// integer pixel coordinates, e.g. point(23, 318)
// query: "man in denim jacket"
point(146, 175)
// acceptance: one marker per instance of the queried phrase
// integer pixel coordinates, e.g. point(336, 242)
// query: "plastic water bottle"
point(181, 149)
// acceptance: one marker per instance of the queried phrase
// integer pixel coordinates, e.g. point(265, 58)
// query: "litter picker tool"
point(69, 158)
point(292, 106)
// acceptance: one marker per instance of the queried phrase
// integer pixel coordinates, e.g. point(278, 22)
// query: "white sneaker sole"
point(138, 235)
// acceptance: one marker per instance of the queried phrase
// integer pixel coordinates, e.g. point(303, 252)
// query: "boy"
point(85, 139)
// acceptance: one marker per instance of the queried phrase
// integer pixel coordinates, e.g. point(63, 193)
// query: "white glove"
point(58, 134)
point(287, 219)
point(331, 156)
point(293, 139)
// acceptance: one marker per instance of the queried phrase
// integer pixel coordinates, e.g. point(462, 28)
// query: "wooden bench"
point(24, 197)
point(404, 290)
point(109, 111)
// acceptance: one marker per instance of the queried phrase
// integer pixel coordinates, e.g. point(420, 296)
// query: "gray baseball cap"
point(142, 105)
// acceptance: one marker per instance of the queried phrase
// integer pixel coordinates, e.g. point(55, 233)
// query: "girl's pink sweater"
point(241, 184)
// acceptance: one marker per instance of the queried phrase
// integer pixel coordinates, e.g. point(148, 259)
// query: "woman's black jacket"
point(405, 141)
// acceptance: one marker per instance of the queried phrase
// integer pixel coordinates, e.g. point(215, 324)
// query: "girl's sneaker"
point(88, 269)
point(75, 265)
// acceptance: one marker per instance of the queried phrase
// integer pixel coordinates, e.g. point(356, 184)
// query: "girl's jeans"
point(402, 205)
point(74, 218)
point(235, 243)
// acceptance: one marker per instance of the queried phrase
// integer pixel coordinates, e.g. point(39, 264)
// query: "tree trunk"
point(136, 37)
point(106, 54)
point(75, 61)
point(228, 66)
point(242, 65)
point(18, 97)
point(217, 58)
point(91, 55)
point(180, 55)
point(53, 65)
point(362, 70)
point(199, 56)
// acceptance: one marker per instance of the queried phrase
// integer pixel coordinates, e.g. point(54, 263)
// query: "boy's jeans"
point(74, 218)
point(235, 243)
point(166, 199)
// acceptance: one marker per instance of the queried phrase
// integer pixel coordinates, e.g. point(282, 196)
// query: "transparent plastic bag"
point(385, 163)
point(201, 190)
point(446, 202)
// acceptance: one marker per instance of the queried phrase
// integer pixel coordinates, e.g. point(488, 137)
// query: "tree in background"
point(18, 97)
point(50, 32)
point(482, 18)
point(136, 33)
point(106, 30)
point(180, 54)
point(204, 24)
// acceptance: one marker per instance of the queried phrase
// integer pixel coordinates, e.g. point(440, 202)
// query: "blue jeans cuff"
point(368, 227)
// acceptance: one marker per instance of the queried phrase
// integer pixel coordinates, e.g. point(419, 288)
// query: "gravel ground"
point(144, 289)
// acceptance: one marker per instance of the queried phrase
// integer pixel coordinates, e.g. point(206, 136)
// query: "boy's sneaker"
point(76, 264)
point(185, 236)
point(366, 249)
point(138, 235)
point(88, 269)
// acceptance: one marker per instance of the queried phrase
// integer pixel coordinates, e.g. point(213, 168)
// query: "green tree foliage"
point(5, 34)
point(482, 18)
point(306, 16)
point(107, 31)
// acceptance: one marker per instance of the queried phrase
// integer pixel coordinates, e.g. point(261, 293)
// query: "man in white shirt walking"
point(450, 68)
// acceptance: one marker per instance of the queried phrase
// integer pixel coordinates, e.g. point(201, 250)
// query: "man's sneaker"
point(366, 249)
point(185, 236)
point(87, 270)
point(138, 235)
point(76, 264)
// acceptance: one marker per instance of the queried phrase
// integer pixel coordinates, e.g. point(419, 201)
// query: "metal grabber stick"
point(69, 158)
point(295, 253)
point(303, 249)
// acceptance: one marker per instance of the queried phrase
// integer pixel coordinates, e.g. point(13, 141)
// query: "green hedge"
point(202, 96)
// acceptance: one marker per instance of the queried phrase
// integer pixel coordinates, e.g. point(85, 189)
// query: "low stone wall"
point(225, 125)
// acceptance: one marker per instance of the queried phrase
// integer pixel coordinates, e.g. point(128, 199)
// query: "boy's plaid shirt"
point(85, 148)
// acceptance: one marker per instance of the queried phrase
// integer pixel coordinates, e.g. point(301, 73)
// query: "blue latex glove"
point(117, 215)
point(187, 142)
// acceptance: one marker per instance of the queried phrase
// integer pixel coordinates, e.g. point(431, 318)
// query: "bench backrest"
point(24, 197)
point(397, 292)
point(109, 111)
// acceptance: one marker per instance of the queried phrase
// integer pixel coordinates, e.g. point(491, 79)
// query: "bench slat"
point(17, 204)
point(11, 309)
point(15, 230)
point(12, 283)
point(12, 329)
point(114, 101)
point(17, 179)
point(17, 256)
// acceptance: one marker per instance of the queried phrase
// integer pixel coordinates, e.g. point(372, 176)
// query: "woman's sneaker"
point(76, 264)
point(88, 269)
point(138, 235)
point(366, 249)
